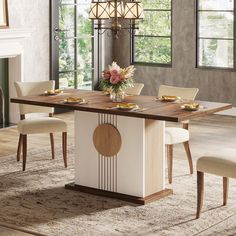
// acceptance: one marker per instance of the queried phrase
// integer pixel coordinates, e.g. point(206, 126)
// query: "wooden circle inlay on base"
point(107, 140)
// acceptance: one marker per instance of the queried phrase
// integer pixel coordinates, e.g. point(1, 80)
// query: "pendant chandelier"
point(110, 13)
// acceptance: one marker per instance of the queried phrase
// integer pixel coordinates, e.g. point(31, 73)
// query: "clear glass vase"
point(117, 96)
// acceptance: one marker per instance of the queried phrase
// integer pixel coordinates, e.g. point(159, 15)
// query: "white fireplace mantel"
point(12, 47)
point(15, 33)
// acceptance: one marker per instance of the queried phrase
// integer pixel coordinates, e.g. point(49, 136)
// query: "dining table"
point(120, 153)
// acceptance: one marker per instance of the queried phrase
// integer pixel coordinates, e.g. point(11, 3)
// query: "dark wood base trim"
point(120, 196)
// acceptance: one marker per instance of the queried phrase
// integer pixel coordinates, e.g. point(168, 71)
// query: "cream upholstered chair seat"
point(135, 90)
point(221, 166)
point(41, 125)
point(38, 124)
point(225, 166)
point(174, 135)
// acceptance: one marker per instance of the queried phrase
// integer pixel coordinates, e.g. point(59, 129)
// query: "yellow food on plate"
point(53, 91)
point(169, 98)
point(127, 106)
point(190, 106)
point(74, 100)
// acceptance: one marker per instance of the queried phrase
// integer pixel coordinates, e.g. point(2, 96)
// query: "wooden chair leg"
point(200, 192)
point(24, 144)
point(170, 162)
point(190, 161)
point(52, 145)
point(225, 190)
point(64, 147)
point(19, 148)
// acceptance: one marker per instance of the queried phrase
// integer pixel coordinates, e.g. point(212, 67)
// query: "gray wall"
point(214, 85)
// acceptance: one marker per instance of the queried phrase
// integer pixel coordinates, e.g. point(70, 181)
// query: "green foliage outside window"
point(157, 4)
point(152, 42)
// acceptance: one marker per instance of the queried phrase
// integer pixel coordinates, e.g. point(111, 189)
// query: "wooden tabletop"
point(100, 103)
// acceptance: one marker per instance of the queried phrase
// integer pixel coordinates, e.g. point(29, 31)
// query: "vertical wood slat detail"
point(107, 166)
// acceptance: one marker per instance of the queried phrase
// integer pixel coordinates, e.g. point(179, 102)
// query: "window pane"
point(84, 25)
point(155, 23)
point(156, 4)
point(66, 52)
point(66, 80)
point(84, 2)
point(153, 50)
point(216, 24)
point(84, 79)
point(216, 4)
point(84, 47)
point(216, 53)
point(84, 58)
point(67, 1)
point(66, 21)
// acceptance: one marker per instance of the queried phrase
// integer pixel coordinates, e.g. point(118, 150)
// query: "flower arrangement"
point(116, 79)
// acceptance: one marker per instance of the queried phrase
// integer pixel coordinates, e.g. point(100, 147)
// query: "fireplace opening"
point(2, 107)
point(4, 94)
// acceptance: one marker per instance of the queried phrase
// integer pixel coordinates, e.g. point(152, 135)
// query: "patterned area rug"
point(36, 200)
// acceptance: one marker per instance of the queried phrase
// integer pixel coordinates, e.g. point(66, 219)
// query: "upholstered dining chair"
point(220, 166)
point(135, 90)
point(175, 135)
point(41, 124)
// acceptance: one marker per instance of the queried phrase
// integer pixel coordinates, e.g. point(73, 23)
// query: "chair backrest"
point(33, 88)
point(136, 90)
point(185, 93)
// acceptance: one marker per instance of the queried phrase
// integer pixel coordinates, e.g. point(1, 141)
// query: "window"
point(151, 44)
point(215, 38)
point(75, 44)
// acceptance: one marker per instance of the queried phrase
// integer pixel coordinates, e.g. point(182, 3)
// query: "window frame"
point(198, 39)
point(132, 42)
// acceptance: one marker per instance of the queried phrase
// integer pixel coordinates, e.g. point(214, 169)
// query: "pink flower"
point(115, 79)
point(114, 73)
point(106, 74)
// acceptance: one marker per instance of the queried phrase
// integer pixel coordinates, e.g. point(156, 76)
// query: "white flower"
point(114, 66)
